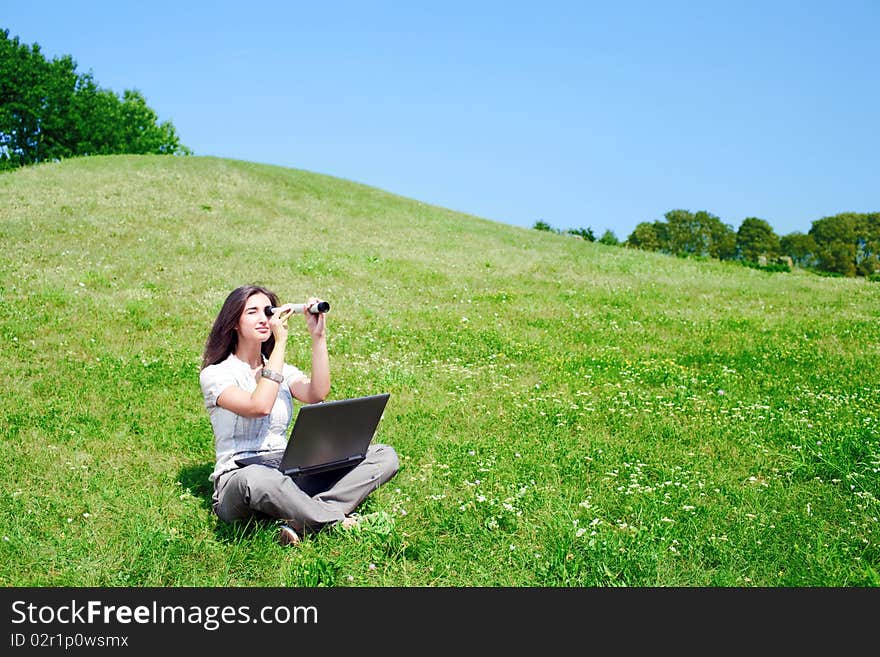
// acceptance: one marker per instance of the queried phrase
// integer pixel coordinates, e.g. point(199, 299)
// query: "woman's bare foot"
point(287, 535)
point(350, 522)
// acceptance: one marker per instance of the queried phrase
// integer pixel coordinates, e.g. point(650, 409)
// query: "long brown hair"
point(223, 339)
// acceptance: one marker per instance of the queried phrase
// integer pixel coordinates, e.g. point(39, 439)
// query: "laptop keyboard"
point(272, 461)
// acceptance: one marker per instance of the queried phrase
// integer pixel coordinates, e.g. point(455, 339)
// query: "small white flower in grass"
point(512, 547)
point(580, 532)
point(471, 452)
point(688, 507)
point(372, 566)
point(5, 538)
point(350, 578)
point(481, 498)
point(87, 515)
point(70, 520)
point(720, 392)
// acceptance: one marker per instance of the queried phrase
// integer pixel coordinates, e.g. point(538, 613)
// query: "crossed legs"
point(258, 489)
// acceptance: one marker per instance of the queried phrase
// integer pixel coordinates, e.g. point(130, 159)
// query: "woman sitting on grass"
point(249, 391)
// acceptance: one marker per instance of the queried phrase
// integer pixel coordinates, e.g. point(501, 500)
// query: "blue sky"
point(580, 114)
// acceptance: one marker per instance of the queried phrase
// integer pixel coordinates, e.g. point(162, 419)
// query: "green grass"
point(566, 413)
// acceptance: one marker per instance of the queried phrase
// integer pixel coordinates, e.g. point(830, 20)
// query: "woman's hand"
point(278, 322)
point(315, 323)
point(315, 388)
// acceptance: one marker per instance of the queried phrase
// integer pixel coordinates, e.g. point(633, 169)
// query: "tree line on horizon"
point(845, 244)
point(48, 112)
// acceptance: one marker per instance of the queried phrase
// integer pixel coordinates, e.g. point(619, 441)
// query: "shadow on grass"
point(194, 478)
point(234, 532)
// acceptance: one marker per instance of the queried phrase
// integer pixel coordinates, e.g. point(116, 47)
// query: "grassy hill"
point(566, 413)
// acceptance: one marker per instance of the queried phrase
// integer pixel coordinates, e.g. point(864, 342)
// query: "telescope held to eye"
point(301, 308)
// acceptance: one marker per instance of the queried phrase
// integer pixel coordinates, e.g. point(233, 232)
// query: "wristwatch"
point(272, 375)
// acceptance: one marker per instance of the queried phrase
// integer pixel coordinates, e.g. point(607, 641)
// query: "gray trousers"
point(307, 503)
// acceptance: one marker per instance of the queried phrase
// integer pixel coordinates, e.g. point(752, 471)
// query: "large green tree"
point(684, 234)
point(700, 234)
point(756, 238)
point(800, 248)
point(848, 243)
point(646, 236)
point(720, 238)
point(48, 111)
point(868, 244)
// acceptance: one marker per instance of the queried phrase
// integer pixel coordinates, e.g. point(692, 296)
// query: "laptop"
point(326, 436)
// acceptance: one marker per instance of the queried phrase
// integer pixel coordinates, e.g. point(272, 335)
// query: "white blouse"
point(236, 436)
